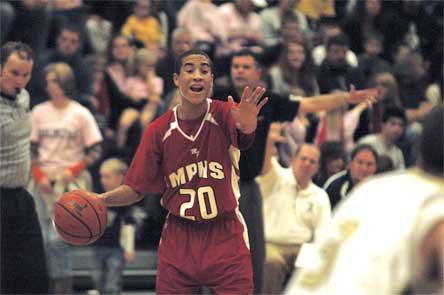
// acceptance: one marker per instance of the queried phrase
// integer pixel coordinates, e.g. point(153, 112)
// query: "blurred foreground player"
point(23, 266)
point(191, 155)
point(388, 236)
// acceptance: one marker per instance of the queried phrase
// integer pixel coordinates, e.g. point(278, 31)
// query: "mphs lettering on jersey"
point(202, 169)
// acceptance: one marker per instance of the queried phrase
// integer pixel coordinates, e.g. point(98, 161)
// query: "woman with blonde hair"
point(65, 140)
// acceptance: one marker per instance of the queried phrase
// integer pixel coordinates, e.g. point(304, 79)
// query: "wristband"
point(77, 168)
point(37, 173)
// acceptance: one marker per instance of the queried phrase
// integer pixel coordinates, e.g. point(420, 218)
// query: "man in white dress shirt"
point(295, 209)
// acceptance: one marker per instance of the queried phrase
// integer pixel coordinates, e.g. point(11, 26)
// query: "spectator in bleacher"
point(7, 17)
point(243, 27)
point(31, 24)
point(119, 67)
point(336, 74)
point(294, 75)
point(68, 51)
point(409, 23)
point(387, 97)
point(363, 163)
point(181, 40)
point(145, 89)
point(370, 62)
point(65, 140)
point(366, 18)
point(116, 246)
point(272, 19)
point(143, 25)
point(205, 21)
point(296, 211)
point(394, 122)
point(332, 161)
point(326, 31)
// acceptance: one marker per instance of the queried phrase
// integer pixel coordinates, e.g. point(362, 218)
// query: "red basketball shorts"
point(213, 254)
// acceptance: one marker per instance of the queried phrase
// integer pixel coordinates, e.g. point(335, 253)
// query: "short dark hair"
point(431, 142)
point(21, 49)
point(69, 26)
point(180, 58)
point(394, 112)
point(363, 147)
point(340, 40)
point(247, 52)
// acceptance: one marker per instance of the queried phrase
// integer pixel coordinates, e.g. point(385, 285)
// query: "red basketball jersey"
point(198, 174)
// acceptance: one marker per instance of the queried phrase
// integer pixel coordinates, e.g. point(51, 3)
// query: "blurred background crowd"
point(118, 62)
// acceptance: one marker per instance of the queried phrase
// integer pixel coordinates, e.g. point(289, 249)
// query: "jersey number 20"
point(204, 192)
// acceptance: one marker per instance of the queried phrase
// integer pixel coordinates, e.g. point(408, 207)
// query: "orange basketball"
point(80, 218)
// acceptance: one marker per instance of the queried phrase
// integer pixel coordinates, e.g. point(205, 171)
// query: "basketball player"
point(388, 236)
point(23, 266)
point(191, 154)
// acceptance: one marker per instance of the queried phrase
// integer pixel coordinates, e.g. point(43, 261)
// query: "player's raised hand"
point(245, 113)
point(366, 95)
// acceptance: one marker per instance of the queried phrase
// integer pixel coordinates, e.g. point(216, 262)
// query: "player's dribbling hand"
point(67, 177)
point(245, 113)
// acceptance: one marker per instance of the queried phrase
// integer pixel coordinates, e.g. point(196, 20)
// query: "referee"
point(23, 264)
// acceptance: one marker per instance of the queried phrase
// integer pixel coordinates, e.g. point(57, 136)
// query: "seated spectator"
point(339, 125)
point(65, 141)
point(370, 62)
point(243, 26)
point(328, 30)
point(387, 97)
point(67, 51)
point(181, 40)
point(296, 211)
point(144, 26)
point(205, 21)
point(385, 164)
point(363, 163)
point(119, 67)
point(145, 89)
point(272, 19)
point(116, 246)
point(294, 75)
point(332, 161)
point(394, 121)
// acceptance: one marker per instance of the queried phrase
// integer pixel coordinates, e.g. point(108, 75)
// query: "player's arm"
point(246, 111)
point(123, 195)
point(334, 100)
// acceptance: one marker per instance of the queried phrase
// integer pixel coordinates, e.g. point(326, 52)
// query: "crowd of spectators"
point(121, 56)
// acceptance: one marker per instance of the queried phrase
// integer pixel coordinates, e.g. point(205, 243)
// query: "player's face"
point(393, 129)
point(195, 80)
point(15, 74)
point(52, 85)
point(110, 180)
point(244, 72)
point(306, 163)
point(362, 166)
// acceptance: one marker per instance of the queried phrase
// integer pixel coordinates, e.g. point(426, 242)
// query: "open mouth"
point(196, 88)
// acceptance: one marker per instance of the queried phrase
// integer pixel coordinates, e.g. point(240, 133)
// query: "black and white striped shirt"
point(15, 132)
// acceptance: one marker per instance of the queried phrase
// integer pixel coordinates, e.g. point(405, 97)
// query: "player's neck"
point(189, 111)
